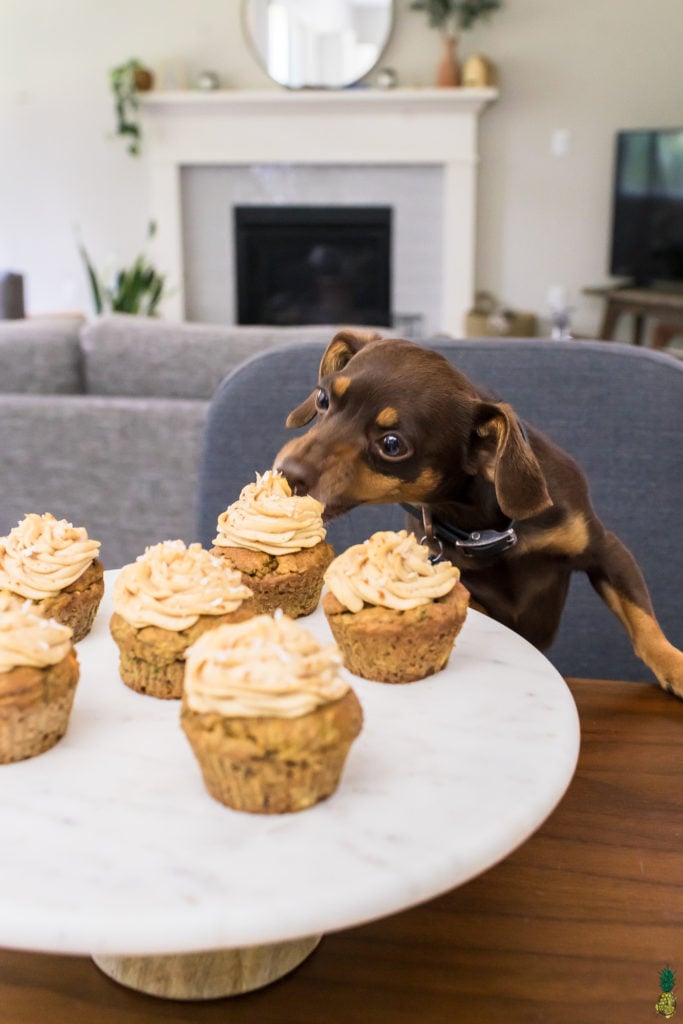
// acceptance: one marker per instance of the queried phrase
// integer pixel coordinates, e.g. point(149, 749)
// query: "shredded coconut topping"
point(27, 638)
point(266, 666)
point(43, 555)
point(171, 585)
point(390, 569)
point(268, 517)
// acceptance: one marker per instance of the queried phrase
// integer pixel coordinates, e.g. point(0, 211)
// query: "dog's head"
point(396, 422)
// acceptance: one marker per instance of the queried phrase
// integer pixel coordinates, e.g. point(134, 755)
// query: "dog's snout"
point(301, 476)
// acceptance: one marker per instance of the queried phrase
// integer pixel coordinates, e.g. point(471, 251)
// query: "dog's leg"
point(619, 582)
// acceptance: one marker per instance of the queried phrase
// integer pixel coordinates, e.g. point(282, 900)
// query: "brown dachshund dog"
point(396, 422)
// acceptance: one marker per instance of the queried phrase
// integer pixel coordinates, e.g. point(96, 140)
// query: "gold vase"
point(448, 70)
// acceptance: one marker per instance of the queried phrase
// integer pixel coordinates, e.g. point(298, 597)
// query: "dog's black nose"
point(299, 475)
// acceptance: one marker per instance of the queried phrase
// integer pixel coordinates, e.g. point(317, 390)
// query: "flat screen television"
point(647, 212)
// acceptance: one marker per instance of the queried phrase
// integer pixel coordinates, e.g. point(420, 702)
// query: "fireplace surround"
point(353, 128)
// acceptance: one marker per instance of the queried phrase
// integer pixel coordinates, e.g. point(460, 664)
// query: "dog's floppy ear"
point(341, 349)
point(501, 452)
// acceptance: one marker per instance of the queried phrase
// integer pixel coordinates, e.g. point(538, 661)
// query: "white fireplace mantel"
point(353, 126)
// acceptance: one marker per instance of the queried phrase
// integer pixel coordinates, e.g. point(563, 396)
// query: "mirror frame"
point(253, 48)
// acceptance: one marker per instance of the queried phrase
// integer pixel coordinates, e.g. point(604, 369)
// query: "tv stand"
point(665, 305)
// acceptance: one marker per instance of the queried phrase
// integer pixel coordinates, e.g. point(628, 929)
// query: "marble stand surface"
point(111, 845)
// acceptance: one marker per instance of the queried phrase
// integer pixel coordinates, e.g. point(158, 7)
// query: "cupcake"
point(163, 602)
point(276, 539)
point(55, 564)
point(393, 613)
point(38, 677)
point(268, 716)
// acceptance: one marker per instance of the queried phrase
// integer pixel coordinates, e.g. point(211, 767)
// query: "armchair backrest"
point(616, 408)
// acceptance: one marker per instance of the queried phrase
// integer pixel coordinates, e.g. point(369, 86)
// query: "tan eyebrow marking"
point(340, 386)
point(387, 418)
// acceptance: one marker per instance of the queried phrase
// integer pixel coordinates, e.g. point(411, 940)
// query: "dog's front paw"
point(669, 670)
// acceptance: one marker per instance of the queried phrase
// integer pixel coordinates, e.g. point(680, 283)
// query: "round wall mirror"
point(318, 44)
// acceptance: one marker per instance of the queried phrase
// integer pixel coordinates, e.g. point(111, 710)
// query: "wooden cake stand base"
point(208, 975)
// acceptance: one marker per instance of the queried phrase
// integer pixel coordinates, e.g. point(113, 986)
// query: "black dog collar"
point(476, 544)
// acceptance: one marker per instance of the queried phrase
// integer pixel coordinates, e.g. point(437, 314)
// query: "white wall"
point(585, 66)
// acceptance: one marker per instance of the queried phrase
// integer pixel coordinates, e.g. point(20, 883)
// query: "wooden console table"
point(572, 928)
point(666, 307)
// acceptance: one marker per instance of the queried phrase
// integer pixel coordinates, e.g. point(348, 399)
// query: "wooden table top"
point(572, 928)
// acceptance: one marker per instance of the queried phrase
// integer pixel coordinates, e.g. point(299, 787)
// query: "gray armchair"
point(616, 408)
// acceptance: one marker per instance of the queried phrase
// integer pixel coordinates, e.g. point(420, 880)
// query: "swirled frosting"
point(28, 638)
point(268, 517)
point(43, 555)
point(266, 666)
point(171, 585)
point(390, 569)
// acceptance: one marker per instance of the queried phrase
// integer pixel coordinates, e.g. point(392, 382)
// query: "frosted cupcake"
point(268, 716)
point(276, 539)
point(55, 565)
point(38, 677)
point(163, 602)
point(394, 615)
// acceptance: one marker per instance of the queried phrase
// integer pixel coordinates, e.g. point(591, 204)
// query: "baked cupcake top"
point(43, 555)
point(171, 585)
point(266, 666)
point(28, 638)
point(268, 517)
point(390, 569)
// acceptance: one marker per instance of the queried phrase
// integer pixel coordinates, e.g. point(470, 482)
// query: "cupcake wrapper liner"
point(273, 765)
point(155, 680)
point(26, 731)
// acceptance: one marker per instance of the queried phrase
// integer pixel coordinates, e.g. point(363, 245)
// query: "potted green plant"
point(137, 289)
point(126, 81)
point(451, 17)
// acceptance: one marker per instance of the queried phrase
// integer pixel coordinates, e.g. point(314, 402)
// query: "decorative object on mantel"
point(208, 80)
point(479, 72)
point(386, 78)
point(448, 16)
point(126, 81)
point(335, 46)
point(488, 318)
point(136, 289)
point(11, 296)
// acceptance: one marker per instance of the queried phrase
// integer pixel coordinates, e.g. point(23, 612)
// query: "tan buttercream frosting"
point(266, 666)
point(268, 517)
point(390, 569)
point(43, 555)
point(171, 585)
point(28, 638)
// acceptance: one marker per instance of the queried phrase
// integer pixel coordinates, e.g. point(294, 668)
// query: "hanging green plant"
point(137, 289)
point(127, 80)
point(452, 15)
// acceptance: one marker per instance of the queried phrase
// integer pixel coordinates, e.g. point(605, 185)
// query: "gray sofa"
point(101, 422)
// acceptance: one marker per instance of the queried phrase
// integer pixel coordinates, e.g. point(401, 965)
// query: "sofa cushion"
point(41, 356)
point(140, 356)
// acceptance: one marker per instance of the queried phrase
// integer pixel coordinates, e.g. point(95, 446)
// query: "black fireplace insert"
point(313, 265)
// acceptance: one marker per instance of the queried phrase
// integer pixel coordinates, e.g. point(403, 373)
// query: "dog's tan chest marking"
point(388, 417)
point(570, 538)
point(340, 386)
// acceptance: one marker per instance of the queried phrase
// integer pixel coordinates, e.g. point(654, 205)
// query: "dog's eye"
point(392, 446)
point(322, 400)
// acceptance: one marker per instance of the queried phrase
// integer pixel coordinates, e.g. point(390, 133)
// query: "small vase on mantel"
point(448, 70)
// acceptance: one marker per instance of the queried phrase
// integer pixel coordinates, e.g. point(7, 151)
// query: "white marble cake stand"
point(112, 847)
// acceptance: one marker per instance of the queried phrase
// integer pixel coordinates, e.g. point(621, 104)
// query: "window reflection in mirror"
point(323, 44)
